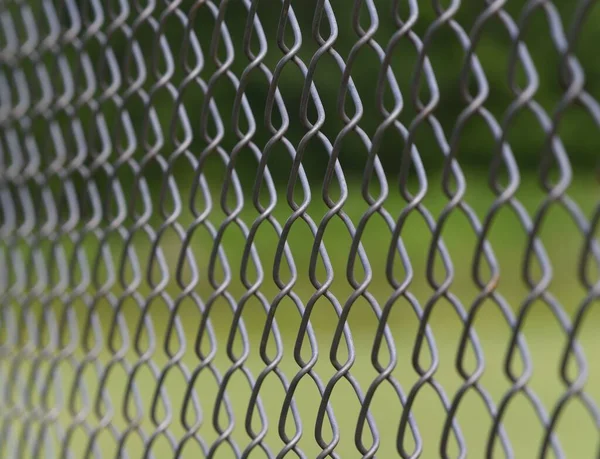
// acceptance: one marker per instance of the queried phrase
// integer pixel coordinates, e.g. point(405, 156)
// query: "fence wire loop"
point(229, 229)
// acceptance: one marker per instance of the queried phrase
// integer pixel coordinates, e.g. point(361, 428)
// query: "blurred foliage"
point(112, 51)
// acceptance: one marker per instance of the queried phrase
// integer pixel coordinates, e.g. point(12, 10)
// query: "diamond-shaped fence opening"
point(284, 228)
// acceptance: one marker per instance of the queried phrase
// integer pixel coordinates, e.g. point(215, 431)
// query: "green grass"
point(576, 430)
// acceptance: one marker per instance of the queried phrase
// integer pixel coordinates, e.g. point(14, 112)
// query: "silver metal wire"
point(125, 132)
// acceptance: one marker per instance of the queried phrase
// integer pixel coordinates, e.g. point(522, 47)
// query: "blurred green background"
point(107, 299)
point(133, 70)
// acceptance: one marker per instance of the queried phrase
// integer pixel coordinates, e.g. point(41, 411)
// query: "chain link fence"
point(318, 228)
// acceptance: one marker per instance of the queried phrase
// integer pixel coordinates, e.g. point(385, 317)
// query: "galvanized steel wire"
point(59, 66)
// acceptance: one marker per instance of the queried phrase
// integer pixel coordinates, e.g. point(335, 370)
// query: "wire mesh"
point(299, 229)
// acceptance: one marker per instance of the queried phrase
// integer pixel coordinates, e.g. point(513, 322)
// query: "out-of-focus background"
point(117, 118)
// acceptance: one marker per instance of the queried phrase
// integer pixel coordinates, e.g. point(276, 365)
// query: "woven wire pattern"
point(131, 327)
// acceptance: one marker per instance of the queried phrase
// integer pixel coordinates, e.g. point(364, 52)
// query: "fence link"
point(317, 228)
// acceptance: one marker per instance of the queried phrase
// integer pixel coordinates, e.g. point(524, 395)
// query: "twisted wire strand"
point(410, 155)
point(118, 338)
point(263, 178)
point(347, 87)
point(525, 99)
point(309, 93)
point(88, 236)
point(14, 220)
point(283, 251)
point(38, 270)
point(115, 213)
point(488, 290)
point(199, 186)
point(572, 93)
point(375, 207)
point(73, 296)
point(118, 91)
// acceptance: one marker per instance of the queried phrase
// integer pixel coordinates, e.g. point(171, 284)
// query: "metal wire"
point(114, 118)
